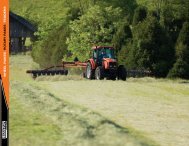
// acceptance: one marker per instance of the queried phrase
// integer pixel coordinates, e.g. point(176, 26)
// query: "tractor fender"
point(92, 63)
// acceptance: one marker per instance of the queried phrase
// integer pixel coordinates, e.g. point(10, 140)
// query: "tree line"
point(152, 38)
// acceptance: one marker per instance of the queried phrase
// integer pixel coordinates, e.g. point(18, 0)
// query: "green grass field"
point(72, 111)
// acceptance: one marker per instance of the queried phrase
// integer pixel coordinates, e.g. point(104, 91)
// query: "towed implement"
point(56, 70)
point(102, 64)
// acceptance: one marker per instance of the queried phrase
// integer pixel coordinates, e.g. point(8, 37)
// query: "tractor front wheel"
point(99, 73)
point(122, 73)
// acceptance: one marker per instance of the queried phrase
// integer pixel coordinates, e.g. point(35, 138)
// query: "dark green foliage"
point(60, 46)
point(182, 48)
point(122, 42)
point(179, 70)
point(74, 13)
point(181, 67)
point(123, 55)
point(172, 24)
point(122, 34)
point(52, 50)
point(147, 34)
point(127, 6)
point(139, 14)
point(151, 47)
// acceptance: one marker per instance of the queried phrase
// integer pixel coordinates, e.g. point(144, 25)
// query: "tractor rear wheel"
point(122, 73)
point(89, 73)
point(99, 73)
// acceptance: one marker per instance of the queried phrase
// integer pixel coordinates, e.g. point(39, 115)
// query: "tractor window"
point(95, 54)
point(102, 54)
point(106, 53)
point(109, 53)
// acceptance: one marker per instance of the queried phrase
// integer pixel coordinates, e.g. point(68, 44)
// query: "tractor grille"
point(113, 64)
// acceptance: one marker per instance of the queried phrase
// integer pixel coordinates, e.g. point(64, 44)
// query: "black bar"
point(3, 117)
point(0, 113)
point(47, 71)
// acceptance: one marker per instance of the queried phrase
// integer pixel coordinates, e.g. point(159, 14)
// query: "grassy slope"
point(45, 112)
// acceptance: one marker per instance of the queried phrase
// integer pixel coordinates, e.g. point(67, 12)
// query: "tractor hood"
point(109, 60)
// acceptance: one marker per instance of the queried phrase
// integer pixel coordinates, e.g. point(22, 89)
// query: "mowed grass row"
point(158, 108)
point(40, 118)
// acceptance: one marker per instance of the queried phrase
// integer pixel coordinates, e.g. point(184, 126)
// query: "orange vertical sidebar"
point(1, 37)
point(4, 46)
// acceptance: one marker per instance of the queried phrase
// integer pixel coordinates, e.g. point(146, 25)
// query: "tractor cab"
point(99, 53)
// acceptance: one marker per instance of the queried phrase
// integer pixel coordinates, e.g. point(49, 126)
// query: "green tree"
point(121, 36)
point(173, 14)
point(181, 67)
point(128, 6)
point(124, 53)
point(151, 47)
point(139, 15)
point(122, 41)
point(51, 51)
point(96, 27)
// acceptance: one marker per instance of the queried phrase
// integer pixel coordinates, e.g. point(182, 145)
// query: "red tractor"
point(103, 64)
